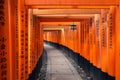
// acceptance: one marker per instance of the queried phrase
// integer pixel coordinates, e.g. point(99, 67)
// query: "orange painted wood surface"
point(117, 54)
point(71, 2)
point(91, 41)
point(5, 41)
point(111, 41)
point(82, 37)
point(97, 41)
point(103, 39)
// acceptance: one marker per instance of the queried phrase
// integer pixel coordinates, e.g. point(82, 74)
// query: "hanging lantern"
point(73, 26)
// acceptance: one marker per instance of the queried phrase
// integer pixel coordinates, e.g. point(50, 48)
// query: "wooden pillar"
point(5, 41)
point(111, 41)
point(117, 54)
point(103, 36)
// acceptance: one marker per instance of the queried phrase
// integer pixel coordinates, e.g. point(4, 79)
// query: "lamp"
point(73, 26)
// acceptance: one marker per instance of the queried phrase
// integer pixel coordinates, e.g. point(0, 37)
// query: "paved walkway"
point(58, 66)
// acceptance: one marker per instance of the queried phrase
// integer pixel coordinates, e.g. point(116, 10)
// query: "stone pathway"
point(58, 66)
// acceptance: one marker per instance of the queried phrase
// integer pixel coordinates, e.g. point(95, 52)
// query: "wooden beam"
point(72, 2)
point(68, 7)
point(65, 11)
point(53, 29)
point(64, 19)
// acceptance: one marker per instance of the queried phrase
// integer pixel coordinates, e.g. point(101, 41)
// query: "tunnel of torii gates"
point(25, 24)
